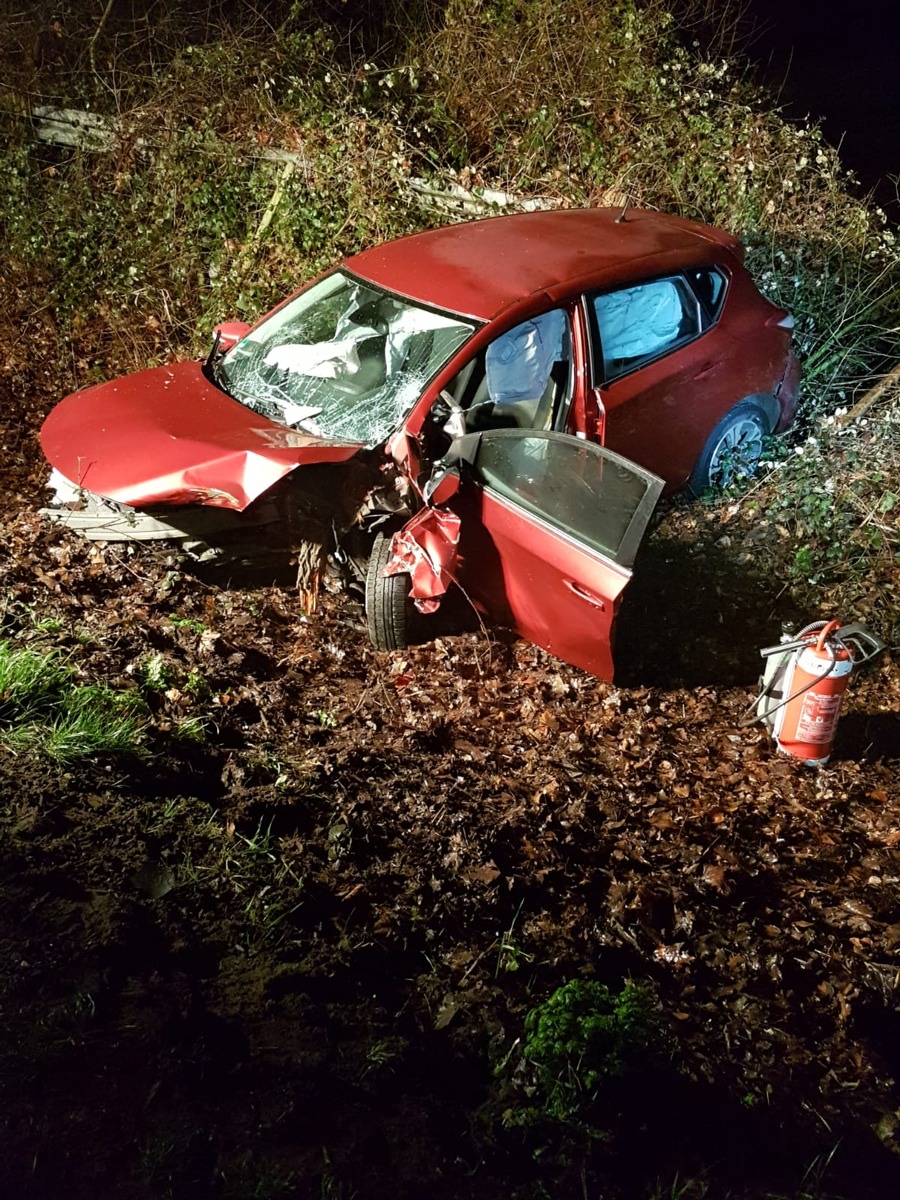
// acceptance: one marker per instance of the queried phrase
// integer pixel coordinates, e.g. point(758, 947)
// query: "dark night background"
point(842, 65)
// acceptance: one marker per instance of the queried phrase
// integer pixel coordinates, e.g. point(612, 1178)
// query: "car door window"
point(523, 379)
point(596, 497)
point(635, 325)
point(709, 283)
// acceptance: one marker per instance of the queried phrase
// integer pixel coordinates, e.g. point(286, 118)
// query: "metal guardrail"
point(99, 133)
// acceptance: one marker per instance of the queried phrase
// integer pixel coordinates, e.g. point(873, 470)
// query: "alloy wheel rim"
point(737, 452)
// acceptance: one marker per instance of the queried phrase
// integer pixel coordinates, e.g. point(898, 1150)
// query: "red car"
point(514, 394)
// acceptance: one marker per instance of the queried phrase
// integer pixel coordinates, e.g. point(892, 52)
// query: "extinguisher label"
point(818, 718)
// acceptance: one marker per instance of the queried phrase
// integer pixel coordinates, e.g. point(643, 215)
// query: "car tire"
point(389, 609)
point(733, 449)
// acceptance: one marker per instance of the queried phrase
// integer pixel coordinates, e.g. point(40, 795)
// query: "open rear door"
point(550, 525)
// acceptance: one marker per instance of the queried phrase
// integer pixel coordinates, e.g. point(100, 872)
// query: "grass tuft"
point(42, 709)
point(31, 683)
point(94, 720)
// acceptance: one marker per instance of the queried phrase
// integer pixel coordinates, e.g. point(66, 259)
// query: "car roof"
point(479, 268)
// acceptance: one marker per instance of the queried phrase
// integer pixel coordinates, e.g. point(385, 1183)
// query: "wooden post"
point(863, 405)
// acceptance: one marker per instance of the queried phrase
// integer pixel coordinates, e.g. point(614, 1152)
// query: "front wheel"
point(733, 449)
point(389, 609)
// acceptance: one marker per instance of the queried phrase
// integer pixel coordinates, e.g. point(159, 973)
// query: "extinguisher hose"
point(746, 718)
point(823, 636)
point(813, 627)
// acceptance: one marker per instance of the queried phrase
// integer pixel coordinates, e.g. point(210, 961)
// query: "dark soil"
point(284, 959)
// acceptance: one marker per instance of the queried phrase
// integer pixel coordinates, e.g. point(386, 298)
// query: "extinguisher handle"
point(863, 644)
point(860, 642)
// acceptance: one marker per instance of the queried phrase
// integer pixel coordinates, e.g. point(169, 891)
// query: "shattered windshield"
point(342, 360)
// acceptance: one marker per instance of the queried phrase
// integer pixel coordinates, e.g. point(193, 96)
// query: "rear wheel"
point(389, 609)
point(733, 449)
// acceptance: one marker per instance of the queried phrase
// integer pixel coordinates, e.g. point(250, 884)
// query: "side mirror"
point(442, 484)
point(444, 480)
point(230, 333)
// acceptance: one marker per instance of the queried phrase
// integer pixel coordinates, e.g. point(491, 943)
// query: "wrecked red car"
point(499, 403)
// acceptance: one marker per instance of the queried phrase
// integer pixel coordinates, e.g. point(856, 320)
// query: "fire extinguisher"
point(804, 682)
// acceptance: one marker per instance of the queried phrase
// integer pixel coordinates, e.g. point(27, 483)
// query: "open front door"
point(549, 527)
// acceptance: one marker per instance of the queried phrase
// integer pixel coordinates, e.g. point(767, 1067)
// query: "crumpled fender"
point(427, 549)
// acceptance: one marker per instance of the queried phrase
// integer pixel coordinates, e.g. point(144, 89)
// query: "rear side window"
point(709, 284)
point(637, 324)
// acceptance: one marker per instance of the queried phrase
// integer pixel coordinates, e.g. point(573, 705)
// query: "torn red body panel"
point(426, 548)
point(169, 436)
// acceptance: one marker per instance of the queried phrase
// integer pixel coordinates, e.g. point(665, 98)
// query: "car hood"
point(167, 435)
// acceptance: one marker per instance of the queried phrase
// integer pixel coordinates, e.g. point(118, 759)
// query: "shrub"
point(616, 103)
point(583, 1049)
point(185, 222)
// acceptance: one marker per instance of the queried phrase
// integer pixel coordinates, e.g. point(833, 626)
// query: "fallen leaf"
point(485, 874)
point(714, 876)
point(448, 1010)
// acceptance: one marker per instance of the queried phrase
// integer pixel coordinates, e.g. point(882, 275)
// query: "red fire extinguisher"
point(804, 683)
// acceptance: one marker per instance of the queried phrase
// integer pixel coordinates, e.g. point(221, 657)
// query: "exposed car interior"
point(523, 380)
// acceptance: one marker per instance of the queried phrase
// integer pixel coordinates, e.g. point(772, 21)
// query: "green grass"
point(43, 709)
point(191, 729)
point(31, 683)
point(94, 720)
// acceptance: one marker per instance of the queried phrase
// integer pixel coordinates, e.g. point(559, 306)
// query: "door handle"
point(584, 594)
